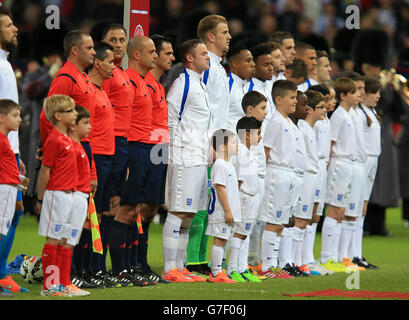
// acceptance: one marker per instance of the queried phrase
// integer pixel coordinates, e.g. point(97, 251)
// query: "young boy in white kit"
point(372, 138)
point(355, 204)
point(224, 205)
point(280, 148)
point(249, 131)
point(340, 172)
point(303, 213)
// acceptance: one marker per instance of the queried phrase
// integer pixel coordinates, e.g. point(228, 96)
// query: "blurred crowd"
point(318, 22)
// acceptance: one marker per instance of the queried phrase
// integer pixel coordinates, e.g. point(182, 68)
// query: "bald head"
point(142, 54)
point(137, 43)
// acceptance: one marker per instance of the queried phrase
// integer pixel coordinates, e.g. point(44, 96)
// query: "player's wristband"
point(38, 200)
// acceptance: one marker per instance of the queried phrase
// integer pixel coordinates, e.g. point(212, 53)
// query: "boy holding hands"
point(249, 131)
point(9, 174)
point(224, 206)
point(340, 172)
point(57, 182)
point(280, 148)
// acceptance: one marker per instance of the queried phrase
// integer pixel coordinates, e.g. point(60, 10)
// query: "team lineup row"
point(123, 136)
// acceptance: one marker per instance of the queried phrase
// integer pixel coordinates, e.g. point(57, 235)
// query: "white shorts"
point(219, 230)
point(249, 212)
point(339, 182)
point(78, 216)
point(55, 214)
point(371, 165)
point(8, 198)
point(276, 204)
point(188, 188)
point(356, 200)
point(321, 182)
point(304, 209)
point(295, 195)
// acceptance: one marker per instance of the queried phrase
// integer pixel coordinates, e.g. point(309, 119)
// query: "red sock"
point(49, 259)
point(65, 265)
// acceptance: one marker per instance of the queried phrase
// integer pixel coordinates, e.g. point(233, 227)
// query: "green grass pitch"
point(389, 253)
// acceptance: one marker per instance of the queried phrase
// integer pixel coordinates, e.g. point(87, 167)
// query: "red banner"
point(139, 18)
point(1, 3)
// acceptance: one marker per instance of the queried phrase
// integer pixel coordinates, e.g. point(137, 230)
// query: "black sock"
point(128, 249)
point(106, 223)
point(80, 252)
point(143, 247)
point(117, 246)
point(134, 248)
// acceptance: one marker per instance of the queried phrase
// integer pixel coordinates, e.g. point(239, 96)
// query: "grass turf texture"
point(389, 253)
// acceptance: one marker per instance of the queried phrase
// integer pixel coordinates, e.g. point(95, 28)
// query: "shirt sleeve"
point(174, 100)
point(219, 174)
point(50, 151)
point(271, 134)
point(336, 124)
point(61, 85)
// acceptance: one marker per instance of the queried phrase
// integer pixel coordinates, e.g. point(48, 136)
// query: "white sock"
point(183, 241)
point(170, 241)
point(242, 264)
point(298, 243)
point(345, 239)
point(335, 244)
point(355, 249)
point(270, 244)
point(328, 233)
point(254, 244)
point(286, 247)
point(308, 246)
point(226, 249)
point(217, 258)
point(235, 245)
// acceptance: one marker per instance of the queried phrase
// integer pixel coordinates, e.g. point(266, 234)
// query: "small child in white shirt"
point(224, 206)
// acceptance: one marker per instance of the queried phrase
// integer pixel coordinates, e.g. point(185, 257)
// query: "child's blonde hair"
point(57, 103)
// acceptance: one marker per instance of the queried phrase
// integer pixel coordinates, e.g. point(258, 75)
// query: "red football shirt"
point(160, 127)
point(83, 170)
point(141, 121)
point(59, 155)
point(71, 82)
point(102, 133)
point(8, 165)
point(120, 93)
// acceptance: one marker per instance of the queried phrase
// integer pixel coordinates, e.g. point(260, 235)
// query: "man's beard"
point(8, 45)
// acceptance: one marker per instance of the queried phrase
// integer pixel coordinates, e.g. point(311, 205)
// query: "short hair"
point(8, 105)
point(280, 36)
point(246, 124)
point(4, 12)
point(187, 47)
point(259, 50)
point(322, 88)
point(252, 98)
point(301, 46)
point(112, 26)
point(273, 46)
point(208, 24)
point(298, 69)
point(322, 54)
point(372, 85)
point(82, 113)
point(355, 76)
point(71, 39)
point(344, 85)
point(234, 51)
point(221, 136)
point(101, 49)
point(54, 104)
point(313, 98)
point(159, 40)
point(281, 88)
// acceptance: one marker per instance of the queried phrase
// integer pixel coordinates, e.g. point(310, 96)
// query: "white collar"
point(4, 54)
point(214, 57)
